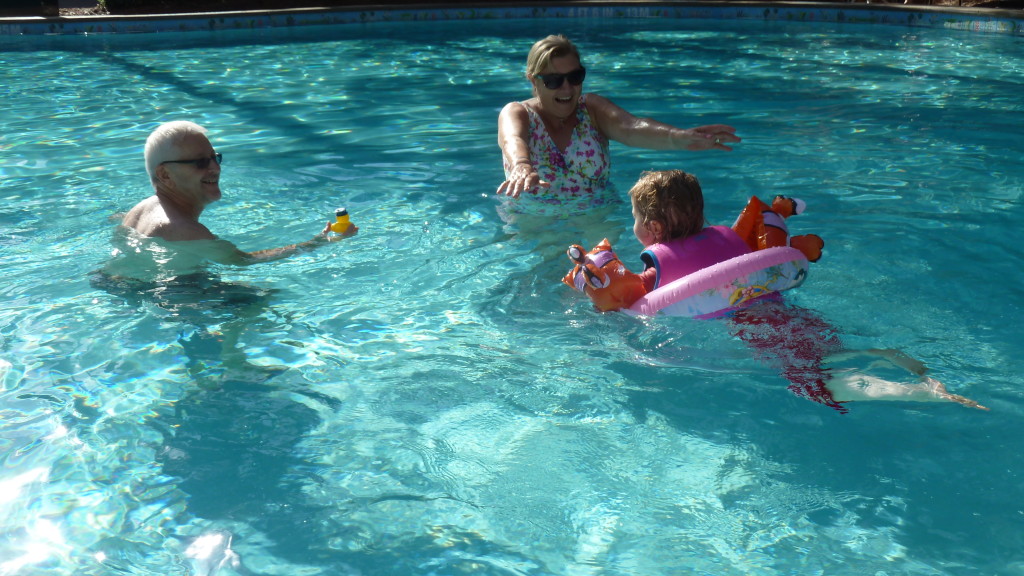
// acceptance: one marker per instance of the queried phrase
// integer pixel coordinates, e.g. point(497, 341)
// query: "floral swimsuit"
point(578, 176)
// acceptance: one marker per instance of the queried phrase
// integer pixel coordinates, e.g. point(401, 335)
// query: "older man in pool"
point(185, 171)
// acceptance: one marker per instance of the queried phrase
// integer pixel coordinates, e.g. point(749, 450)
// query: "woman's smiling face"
point(560, 101)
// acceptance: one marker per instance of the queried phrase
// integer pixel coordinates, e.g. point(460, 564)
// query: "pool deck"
point(987, 20)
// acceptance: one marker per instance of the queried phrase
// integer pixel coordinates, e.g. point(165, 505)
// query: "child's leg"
point(895, 357)
point(853, 386)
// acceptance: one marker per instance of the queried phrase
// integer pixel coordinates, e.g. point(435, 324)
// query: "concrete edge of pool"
point(971, 19)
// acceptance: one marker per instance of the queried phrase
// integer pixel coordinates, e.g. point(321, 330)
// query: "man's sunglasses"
point(555, 81)
point(200, 163)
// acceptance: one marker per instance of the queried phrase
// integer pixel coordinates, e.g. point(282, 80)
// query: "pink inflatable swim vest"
point(684, 256)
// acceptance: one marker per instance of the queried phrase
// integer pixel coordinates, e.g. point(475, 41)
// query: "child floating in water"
point(668, 213)
point(678, 246)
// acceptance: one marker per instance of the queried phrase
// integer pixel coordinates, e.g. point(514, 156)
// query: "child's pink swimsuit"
point(684, 256)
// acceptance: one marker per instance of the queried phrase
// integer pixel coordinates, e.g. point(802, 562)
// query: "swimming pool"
point(427, 398)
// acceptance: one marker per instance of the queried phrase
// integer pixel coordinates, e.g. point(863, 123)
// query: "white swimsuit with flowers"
point(578, 177)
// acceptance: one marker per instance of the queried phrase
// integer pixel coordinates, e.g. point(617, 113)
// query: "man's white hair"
point(165, 141)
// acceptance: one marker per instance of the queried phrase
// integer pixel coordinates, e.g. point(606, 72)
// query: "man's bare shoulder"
point(149, 218)
point(183, 230)
point(140, 211)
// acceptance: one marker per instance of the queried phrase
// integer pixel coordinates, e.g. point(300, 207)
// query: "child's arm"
point(649, 277)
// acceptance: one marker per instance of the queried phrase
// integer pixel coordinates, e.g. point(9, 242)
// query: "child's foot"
point(939, 389)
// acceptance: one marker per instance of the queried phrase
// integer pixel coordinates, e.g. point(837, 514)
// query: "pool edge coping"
point(1004, 21)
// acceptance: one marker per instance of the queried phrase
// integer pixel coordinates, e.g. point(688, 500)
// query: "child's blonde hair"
point(673, 198)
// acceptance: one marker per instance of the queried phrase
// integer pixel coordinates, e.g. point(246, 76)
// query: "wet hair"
point(165, 140)
point(554, 46)
point(673, 198)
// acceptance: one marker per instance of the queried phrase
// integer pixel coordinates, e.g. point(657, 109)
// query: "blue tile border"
point(975, 20)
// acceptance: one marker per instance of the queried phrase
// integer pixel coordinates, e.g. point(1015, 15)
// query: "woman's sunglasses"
point(555, 81)
point(200, 163)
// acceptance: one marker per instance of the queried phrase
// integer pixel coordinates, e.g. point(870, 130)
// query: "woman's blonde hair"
point(673, 198)
point(554, 46)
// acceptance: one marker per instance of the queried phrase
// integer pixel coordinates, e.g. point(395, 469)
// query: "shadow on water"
point(235, 449)
point(231, 439)
point(266, 114)
point(212, 315)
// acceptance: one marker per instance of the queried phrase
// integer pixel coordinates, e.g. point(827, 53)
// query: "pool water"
point(427, 397)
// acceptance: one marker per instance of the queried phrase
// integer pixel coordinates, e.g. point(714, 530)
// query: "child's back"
point(670, 261)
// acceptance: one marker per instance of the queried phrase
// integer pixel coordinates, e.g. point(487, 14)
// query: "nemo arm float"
point(762, 226)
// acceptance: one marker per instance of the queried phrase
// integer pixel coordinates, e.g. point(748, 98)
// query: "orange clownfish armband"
point(762, 226)
point(602, 276)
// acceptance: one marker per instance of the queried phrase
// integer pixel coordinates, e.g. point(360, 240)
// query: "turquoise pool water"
point(427, 398)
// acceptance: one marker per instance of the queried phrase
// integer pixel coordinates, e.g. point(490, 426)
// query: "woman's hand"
point(513, 139)
point(712, 137)
point(523, 178)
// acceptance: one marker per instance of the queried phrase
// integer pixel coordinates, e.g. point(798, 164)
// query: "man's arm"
point(235, 256)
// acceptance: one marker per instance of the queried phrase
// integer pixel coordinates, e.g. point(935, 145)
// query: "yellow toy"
point(343, 223)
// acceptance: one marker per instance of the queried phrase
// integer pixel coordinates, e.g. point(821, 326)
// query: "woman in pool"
point(558, 140)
